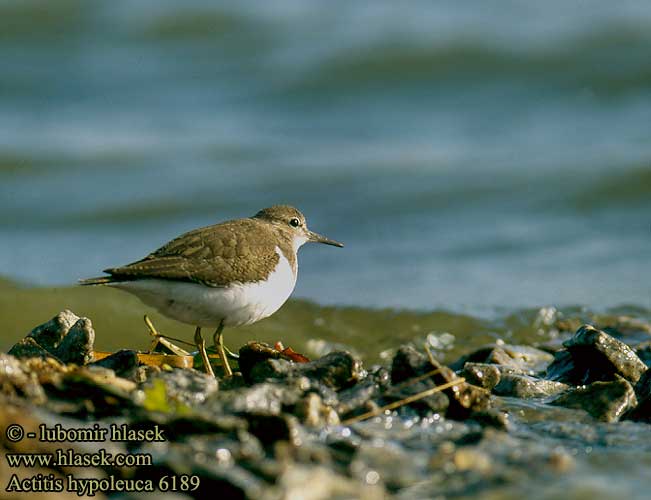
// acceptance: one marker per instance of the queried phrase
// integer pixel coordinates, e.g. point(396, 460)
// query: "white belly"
point(237, 304)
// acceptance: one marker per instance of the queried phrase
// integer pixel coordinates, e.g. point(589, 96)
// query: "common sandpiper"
point(230, 274)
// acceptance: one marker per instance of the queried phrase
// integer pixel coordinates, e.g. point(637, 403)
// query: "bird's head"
point(291, 221)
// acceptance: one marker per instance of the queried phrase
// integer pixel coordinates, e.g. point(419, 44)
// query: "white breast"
point(237, 304)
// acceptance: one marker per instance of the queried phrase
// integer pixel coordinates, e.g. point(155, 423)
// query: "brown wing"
point(214, 255)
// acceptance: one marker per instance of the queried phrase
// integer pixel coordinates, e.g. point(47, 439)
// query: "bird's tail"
point(100, 280)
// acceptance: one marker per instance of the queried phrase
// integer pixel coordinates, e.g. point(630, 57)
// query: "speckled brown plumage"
point(241, 250)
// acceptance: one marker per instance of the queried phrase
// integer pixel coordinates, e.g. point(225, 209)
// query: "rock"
point(606, 401)
point(65, 337)
point(492, 417)
point(464, 398)
point(77, 345)
point(336, 370)
point(643, 386)
point(18, 381)
point(272, 428)
point(528, 360)
point(356, 399)
point(564, 368)
point(593, 356)
point(325, 484)
point(469, 458)
point(267, 398)
point(642, 412)
point(520, 358)
point(438, 402)
point(188, 387)
point(524, 386)
point(123, 362)
point(253, 353)
point(643, 351)
point(313, 413)
point(408, 363)
point(481, 374)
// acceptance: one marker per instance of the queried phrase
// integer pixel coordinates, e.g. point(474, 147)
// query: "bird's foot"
point(201, 345)
point(158, 339)
point(218, 339)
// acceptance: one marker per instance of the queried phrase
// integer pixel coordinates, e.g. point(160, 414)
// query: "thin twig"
point(159, 338)
point(402, 402)
point(414, 380)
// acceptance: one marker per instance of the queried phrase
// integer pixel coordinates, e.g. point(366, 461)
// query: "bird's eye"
point(294, 222)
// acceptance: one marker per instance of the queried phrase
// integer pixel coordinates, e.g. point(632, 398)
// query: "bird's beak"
point(318, 238)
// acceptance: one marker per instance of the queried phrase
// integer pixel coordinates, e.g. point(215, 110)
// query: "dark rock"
point(65, 337)
point(123, 362)
point(408, 363)
point(464, 398)
point(92, 391)
point(438, 402)
point(565, 369)
point(491, 417)
point(253, 353)
point(525, 386)
point(77, 345)
point(272, 428)
point(593, 356)
point(643, 386)
point(606, 401)
point(29, 348)
point(642, 412)
point(643, 351)
point(357, 398)
point(481, 374)
point(49, 335)
point(336, 370)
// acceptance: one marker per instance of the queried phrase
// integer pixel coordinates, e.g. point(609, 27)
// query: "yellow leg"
point(201, 345)
point(218, 339)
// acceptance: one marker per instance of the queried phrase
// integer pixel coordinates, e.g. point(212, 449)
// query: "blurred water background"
point(473, 156)
point(481, 161)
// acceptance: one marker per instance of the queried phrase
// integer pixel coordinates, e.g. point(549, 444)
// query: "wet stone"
point(593, 355)
point(359, 397)
point(642, 412)
point(525, 386)
point(266, 398)
point(464, 398)
point(313, 413)
point(643, 351)
point(481, 374)
point(606, 401)
point(325, 484)
point(525, 358)
point(643, 386)
point(438, 402)
point(519, 358)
